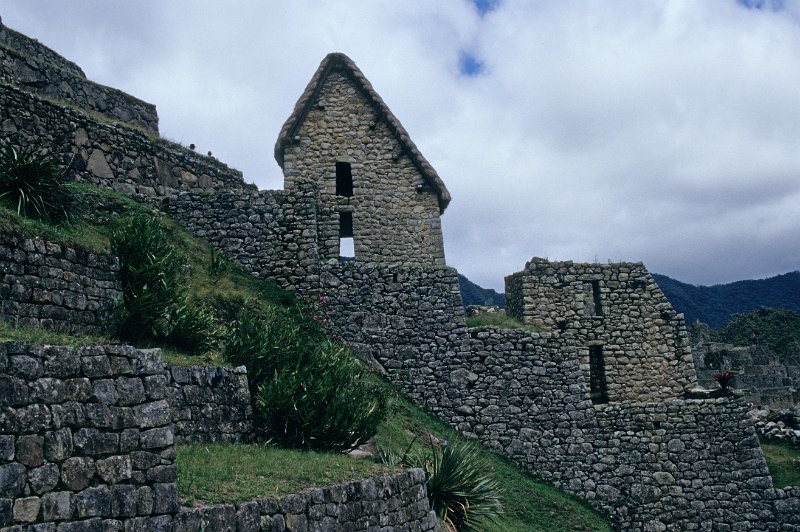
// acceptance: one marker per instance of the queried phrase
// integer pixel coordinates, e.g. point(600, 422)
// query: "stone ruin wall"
point(766, 381)
point(668, 465)
point(48, 285)
point(26, 63)
point(395, 214)
point(617, 306)
point(37, 51)
point(111, 156)
point(671, 464)
point(87, 443)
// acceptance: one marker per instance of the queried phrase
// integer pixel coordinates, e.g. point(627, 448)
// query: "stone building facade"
point(631, 343)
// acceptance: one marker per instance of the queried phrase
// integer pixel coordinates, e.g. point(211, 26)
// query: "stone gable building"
point(374, 185)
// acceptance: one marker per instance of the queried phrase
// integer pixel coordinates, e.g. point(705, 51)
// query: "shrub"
point(36, 185)
point(309, 392)
point(151, 277)
point(460, 488)
point(154, 304)
point(193, 327)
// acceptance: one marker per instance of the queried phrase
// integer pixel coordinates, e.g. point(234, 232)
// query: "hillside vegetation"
point(209, 473)
point(778, 329)
point(716, 305)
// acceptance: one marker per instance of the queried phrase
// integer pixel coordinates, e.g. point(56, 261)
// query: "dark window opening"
point(598, 306)
point(346, 242)
point(344, 180)
point(597, 375)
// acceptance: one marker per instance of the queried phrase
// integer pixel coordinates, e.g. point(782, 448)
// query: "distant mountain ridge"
point(716, 305)
point(473, 294)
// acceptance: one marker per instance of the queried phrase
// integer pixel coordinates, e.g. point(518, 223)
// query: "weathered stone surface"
point(77, 473)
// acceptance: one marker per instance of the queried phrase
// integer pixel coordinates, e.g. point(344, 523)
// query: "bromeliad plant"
point(723, 378)
point(35, 185)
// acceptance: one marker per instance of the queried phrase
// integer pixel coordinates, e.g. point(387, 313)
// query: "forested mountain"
point(716, 305)
point(776, 328)
point(473, 294)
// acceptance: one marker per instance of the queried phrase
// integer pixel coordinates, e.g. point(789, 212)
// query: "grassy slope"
point(234, 473)
point(529, 504)
point(783, 460)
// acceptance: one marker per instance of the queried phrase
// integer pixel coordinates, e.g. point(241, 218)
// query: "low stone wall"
point(113, 156)
point(271, 234)
point(210, 404)
point(391, 502)
point(85, 437)
point(48, 285)
point(87, 443)
point(48, 80)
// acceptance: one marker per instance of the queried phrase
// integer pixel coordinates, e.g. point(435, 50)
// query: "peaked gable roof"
point(338, 60)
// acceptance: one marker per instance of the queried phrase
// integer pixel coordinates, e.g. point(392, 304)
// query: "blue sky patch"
point(774, 5)
point(484, 6)
point(468, 64)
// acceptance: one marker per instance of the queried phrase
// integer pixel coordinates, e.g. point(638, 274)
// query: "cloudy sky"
point(662, 131)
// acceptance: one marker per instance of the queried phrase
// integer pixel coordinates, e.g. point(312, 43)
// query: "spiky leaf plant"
point(461, 489)
point(35, 185)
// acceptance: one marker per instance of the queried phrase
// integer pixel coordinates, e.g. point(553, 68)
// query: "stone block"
point(56, 506)
point(114, 469)
point(58, 444)
point(165, 498)
point(123, 500)
point(77, 473)
point(93, 502)
point(30, 450)
point(26, 510)
point(43, 479)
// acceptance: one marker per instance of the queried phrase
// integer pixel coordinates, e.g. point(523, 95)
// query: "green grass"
point(529, 504)
point(236, 472)
point(498, 319)
point(783, 460)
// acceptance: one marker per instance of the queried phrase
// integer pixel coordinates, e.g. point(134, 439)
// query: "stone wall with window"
point(631, 342)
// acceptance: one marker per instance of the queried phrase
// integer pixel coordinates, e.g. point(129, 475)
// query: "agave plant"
point(36, 185)
point(460, 488)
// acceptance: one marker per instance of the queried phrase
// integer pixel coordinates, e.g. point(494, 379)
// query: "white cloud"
point(661, 131)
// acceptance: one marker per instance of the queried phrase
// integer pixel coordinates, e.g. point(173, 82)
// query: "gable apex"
point(340, 61)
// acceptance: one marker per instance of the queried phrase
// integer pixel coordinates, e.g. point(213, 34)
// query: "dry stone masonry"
point(48, 285)
point(113, 156)
point(391, 502)
point(209, 404)
point(87, 444)
point(374, 184)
